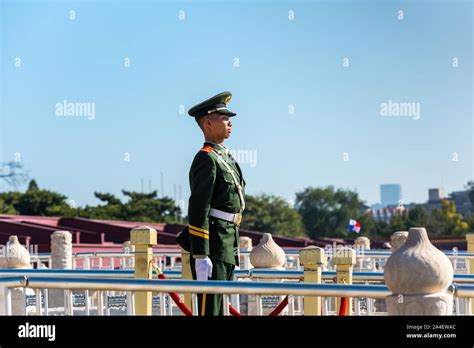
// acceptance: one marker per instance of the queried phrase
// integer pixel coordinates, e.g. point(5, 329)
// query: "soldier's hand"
point(203, 268)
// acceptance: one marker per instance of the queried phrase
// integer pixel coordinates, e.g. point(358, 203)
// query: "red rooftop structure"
point(109, 235)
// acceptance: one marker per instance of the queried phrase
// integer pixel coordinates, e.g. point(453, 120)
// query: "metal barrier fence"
point(238, 274)
point(99, 293)
point(369, 260)
point(103, 286)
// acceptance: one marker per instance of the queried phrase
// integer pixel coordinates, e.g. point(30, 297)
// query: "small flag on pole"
point(354, 226)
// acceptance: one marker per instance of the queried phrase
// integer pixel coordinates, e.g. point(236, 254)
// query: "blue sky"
point(299, 108)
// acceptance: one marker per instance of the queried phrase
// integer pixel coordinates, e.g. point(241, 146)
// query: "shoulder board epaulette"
point(207, 149)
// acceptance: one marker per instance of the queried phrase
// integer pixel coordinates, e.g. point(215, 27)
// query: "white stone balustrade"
point(398, 239)
point(266, 255)
point(61, 258)
point(245, 244)
point(418, 274)
point(15, 255)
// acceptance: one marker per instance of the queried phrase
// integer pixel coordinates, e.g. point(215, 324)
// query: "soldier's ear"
point(208, 121)
point(201, 121)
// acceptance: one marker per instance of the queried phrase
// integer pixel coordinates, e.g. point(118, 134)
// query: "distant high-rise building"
point(462, 202)
point(390, 194)
point(435, 195)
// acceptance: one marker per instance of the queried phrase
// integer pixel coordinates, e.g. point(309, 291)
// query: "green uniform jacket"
point(213, 187)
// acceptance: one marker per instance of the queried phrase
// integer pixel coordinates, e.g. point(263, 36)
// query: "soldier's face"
point(219, 126)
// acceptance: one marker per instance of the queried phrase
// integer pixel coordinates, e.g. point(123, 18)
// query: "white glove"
point(203, 268)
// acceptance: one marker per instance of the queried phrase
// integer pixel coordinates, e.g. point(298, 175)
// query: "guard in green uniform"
point(216, 203)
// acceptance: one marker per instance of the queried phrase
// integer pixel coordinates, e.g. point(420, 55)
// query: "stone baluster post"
point(361, 244)
point(61, 258)
point(418, 274)
point(344, 258)
point(15, 256)
point(470, 250)
point(129, 249)
point(398, 239)
point(312, 258)
point(187, 274)
point(143, 238)
point(245, 243)
point(267, 255)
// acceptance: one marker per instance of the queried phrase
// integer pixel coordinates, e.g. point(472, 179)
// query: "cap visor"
point(228, 113)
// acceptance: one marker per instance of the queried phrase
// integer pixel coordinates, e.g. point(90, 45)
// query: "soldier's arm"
point(202, 179)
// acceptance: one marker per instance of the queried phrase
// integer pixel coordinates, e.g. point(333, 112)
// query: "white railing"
point(103, 288)
point(114, 296)
point(271, 274)
point(367, 260)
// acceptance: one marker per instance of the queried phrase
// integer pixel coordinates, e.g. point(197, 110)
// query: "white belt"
point(234, 218)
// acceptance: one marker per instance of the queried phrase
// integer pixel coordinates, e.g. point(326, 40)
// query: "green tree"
point(33, 185)
point(398, 222)
point(66, 211)
point(110, 208)
point(34, 201)
point(326, 211)
point(417, 217)
point(470, 222)
point(402, 221)
point(147, 207)
point(108, 198)
point(11, 198)
point(271, 214)
point(381, 229)
point(367, 223)
point(446, 221)
point(139, 207)
point(6, 208)
point(470, 188)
